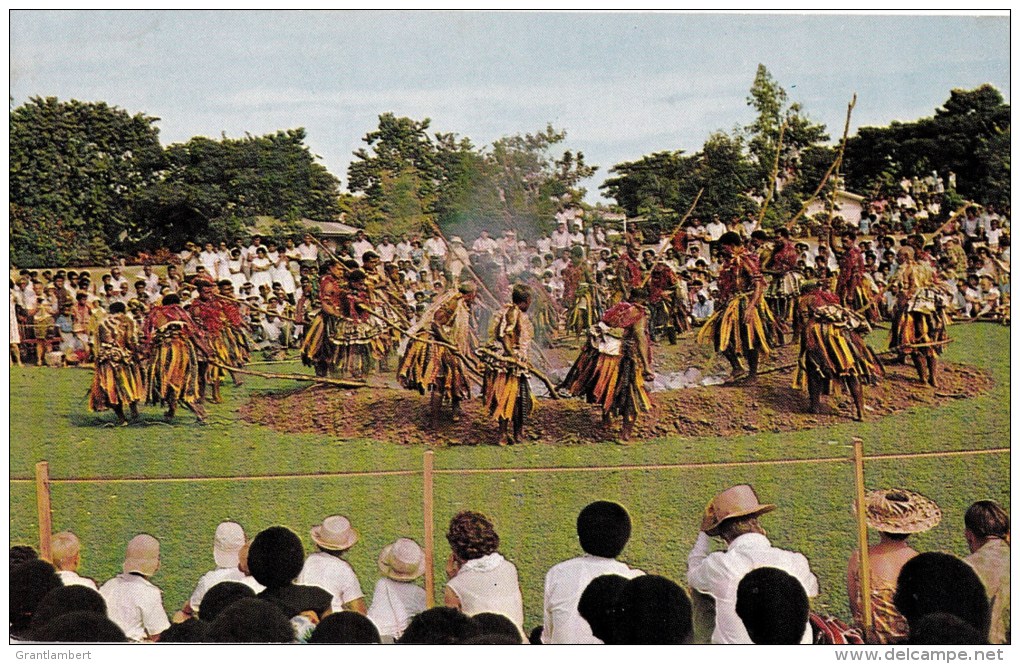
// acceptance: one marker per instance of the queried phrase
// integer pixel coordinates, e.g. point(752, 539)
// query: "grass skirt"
point(173, 367)
point(428, 367)
point(614, 382)
point(834, 352)
point(728, 332)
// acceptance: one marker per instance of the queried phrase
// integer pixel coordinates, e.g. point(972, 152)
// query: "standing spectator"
point(561, 238)
point(387, 250)
point(132, 601)
point(435, 251)
point(895, 514)
point(603, 529)
point(457, 259)
point(713, 231)
point(328, 570)
point(309, 251)
point(987, 532)
point(396, 598)
point(480, 579)
point(484, 244)
point(733, 516)
point(360, 246)
point(65, 549)
point(227, 543)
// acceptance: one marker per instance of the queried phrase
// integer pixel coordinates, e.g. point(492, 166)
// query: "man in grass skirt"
point(784, 288)
point(175, 348)
point(317, 348)
point(851, 287)
point(615, 363)
point(832, 348)
point(117, 380)
point(224, 333)
point(434, 368)
point(360, 338)
point(919, 318)
point(505, 388)
point(742, 326)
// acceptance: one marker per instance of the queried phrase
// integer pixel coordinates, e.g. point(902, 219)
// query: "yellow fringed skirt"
point(727, 330)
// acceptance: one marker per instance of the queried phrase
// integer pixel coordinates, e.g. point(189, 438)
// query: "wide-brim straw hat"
point(402, 560)
point(900, 511)
point(737, 501)
point(335, 533)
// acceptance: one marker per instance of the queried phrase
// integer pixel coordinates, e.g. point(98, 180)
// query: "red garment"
point(784, 257)
point(631, 270)
point(160, 315)
point(572, 275)
point(623, 314)
point(738, 274)
point(329, 294)
point(210, 316)
point(821, 298)
point(350, 300)
point(851, 273)
point(661, 283)
point(679, 241)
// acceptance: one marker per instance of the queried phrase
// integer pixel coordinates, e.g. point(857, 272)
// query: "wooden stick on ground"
point(348, 384)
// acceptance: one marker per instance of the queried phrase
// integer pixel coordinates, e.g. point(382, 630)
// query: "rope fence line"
point(521, 470)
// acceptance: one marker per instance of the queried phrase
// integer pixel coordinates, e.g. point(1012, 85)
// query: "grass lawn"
point(534, 511)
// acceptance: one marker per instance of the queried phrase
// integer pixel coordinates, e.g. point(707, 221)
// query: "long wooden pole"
point(42, 500)
point(456, 351)
point(430, 575)
point(828, 173)
point(862, 535)
point(259, 309)
point(680, 225)
point(775, 174)
point(349, 384)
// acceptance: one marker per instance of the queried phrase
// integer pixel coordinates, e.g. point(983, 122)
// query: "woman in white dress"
point(235, 270)
point(293, 259)
point(281, 272)
point(261, 270)
point(224, 254)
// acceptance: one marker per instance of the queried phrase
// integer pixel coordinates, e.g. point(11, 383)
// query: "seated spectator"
point(895, 514)
point(496, 625)
point(733, 516)
point(944, 629)
point(941, 583)
point(275, 558)
point(396, 598)
point(227, 543)
point(80, 627)
point(480, 579)
point(222, 595)
point(22, 553)
point(441, 625)
point(65, 550)
point(345, 627)
point(987, 533)
point(597, 604)
point(328, 570)
point(652, 610)
point(132, 601)
point(773, 607)
point(29, 584)
point(603, 529)
point(251, 621)
point(67, 599)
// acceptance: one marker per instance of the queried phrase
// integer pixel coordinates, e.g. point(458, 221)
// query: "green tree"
point(82, 163)
point(968, 135)
point(398, 145)
point(659, 181)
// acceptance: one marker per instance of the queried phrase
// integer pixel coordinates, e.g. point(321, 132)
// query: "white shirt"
point(72, 579)
point(394, 603)
point(333, 575)
point(403, 251)
point(544, 245)
point(489, 585)
point(360, 247)
point(135, 605)
point(715, 230)
point(435, 247)
point(560, 239)
point(210, 579)
point(309, 252)
point(387, 252)
point(718, 574)
point(484, 245)
point(564, 584)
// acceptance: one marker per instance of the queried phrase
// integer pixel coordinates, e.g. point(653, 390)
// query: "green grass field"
point(534, 511)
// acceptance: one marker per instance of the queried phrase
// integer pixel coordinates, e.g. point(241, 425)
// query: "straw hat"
point(737, 501)
point(402, 560)
point(142, 555)
point(900, 511)
point(335, 533)
point(227, 543)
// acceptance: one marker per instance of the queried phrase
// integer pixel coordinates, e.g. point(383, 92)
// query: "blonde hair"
point(64, 548)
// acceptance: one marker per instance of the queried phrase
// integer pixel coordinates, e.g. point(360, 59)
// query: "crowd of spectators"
point(58, 310)
point(267, 590)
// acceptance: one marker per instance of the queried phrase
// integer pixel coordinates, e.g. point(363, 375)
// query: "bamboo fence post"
point(862, 536)
point(430, 580)
point(42, 499)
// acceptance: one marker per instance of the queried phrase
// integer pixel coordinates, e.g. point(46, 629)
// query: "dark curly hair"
point(472, 535)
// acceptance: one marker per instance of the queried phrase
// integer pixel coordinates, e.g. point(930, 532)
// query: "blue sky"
point(621, 84)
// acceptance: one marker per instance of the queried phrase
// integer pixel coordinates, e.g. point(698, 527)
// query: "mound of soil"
point(768, 404)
